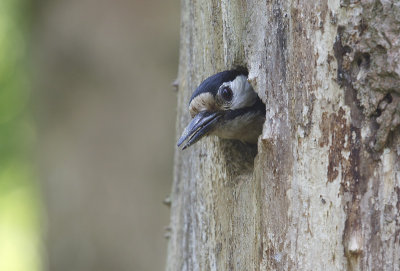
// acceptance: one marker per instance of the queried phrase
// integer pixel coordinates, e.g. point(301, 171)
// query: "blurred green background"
point(20, 212)
point(87, 133)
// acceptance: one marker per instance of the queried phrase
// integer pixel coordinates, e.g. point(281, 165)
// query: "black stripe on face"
point(258, 107)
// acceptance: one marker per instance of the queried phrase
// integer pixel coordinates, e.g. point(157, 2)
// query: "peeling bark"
point(323, 192)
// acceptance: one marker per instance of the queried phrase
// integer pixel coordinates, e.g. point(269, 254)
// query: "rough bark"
point(323, 192)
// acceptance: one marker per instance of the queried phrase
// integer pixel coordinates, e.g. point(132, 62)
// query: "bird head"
point(225, 105)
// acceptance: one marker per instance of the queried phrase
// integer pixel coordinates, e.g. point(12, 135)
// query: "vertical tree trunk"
point(323, 192)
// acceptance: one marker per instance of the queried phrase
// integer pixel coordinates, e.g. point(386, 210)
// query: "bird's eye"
point(227, 94)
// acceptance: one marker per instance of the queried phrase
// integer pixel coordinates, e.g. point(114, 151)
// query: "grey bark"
point(322, 190)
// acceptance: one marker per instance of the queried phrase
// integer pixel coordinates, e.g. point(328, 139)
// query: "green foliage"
point(19, 206)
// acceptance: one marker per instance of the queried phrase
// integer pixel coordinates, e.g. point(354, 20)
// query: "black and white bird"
point(225, 105)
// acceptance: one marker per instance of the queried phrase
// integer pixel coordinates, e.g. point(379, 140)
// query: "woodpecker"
point(224, 105)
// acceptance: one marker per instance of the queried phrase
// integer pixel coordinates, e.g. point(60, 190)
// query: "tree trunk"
point(323, 192)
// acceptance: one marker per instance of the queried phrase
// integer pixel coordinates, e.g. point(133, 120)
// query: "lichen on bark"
point(368, 52)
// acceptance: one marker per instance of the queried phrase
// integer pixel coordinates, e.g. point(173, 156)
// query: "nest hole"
point(363, 60)
point(239, 156)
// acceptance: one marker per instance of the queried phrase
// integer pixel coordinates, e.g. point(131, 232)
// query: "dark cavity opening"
point(239, 156)
point(363, 60)
point(388, 98)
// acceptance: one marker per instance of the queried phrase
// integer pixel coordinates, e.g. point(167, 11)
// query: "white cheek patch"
point(243, 93)
point(202, 102)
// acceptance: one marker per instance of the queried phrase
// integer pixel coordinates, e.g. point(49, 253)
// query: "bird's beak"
point(200, 125)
